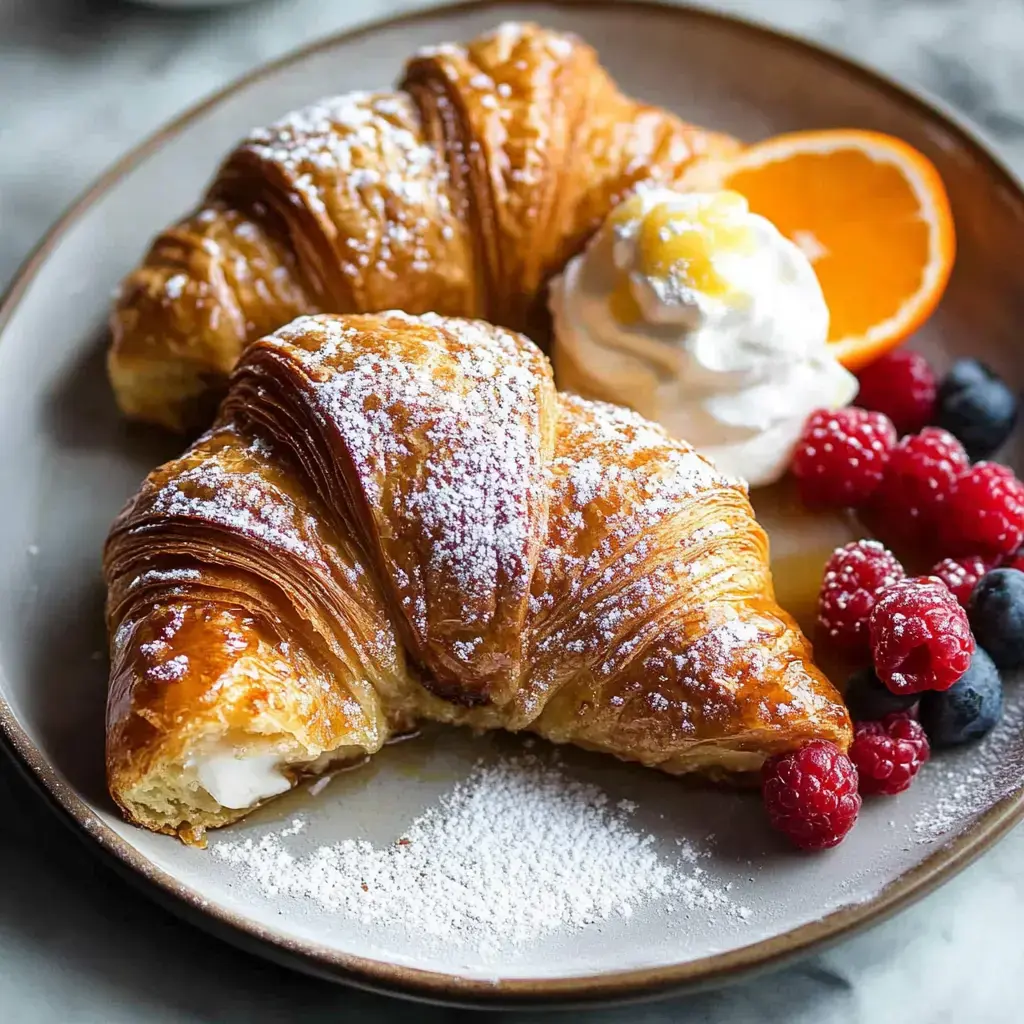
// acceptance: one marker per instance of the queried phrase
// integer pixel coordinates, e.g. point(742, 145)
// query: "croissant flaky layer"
point(461, 193)
point(398, 518)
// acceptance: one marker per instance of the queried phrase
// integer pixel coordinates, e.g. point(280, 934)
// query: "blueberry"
point(975, 406)
point(996, 611)
point(968, 709)
point(869, 699)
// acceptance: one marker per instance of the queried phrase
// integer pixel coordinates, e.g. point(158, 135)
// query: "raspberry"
point(985, 511)
point(841, 456)
point(811, 794)
point(920, 637)
point(961, 575)
point(1014, 560)
point(888, 753)
point(907, 507)
point(854, 576)
point(902, 385)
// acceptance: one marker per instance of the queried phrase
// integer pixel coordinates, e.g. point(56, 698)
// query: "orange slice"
point(872, 215)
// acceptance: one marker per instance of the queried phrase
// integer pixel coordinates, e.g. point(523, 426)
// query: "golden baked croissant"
point(398, 518)
point(460, 194)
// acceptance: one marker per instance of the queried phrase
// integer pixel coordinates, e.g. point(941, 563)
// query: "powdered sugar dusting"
point(710, 653)
point(468, 443)
point(360, 164)
point(326, 136)
point(614, 479)
point(516, 851)
point(154, 576)
point(239, 502)
point(683, 473)
point(611, 456)
point(967, 782)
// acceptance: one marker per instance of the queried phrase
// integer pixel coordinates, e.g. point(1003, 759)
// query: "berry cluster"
point(937, 643)
point(971, 402)
point(919, 492)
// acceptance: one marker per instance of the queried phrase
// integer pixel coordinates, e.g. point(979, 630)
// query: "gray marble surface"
point(83, 80)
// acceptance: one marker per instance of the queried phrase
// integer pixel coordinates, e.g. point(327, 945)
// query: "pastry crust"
point(399, 518)
point(461, 193)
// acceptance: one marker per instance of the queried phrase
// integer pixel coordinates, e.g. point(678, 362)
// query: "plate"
point(740, 899)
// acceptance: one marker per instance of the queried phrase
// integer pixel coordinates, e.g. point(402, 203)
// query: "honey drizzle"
point(683, 245)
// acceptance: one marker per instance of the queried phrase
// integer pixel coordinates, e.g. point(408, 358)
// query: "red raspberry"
point(901, 384)
point(854, 576)
point(907, 507)
point(920, 637)
point(961, 575)
point(985, 511)
point(1014, 561)
point(841, 456)
point(811, 794)
point(888, 753)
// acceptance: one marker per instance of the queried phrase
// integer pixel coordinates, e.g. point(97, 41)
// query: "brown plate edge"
point(388, 978)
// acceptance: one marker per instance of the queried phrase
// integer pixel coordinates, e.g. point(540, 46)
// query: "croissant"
point(462, 193)
point(398, 518)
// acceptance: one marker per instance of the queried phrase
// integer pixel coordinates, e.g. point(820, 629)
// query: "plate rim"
point(391, 978)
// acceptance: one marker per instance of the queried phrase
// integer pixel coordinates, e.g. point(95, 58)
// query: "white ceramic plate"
point(69, 462)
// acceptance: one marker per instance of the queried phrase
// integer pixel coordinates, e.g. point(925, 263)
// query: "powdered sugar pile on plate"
point(514, 852)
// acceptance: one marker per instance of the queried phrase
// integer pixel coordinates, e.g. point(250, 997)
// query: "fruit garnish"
point(888, 753)
point(985, 511)
point(908, 508)
point(841, 456)
point(996, 611)
point(1014, 560)
point(870, 212)
point(976, 405)
point(811, 794)
point(920, 637)
point(961, 575)
point(968, 709)
point(901, 384)
point(868, 698)
point(854, 577)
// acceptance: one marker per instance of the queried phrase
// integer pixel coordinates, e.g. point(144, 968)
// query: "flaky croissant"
point(398, 518)
point(461, 193)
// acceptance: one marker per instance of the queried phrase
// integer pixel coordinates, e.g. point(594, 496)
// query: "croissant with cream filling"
point(399, 518)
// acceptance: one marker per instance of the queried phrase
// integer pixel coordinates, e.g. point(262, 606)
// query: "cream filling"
point(238, 782)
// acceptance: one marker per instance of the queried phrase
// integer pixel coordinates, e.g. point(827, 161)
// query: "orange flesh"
point(865, 216)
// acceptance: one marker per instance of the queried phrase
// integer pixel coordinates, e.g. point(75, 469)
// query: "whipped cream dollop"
point(702, 316)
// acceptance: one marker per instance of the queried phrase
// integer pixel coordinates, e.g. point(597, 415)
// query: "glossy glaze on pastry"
point(460, 193)
point(397, 518)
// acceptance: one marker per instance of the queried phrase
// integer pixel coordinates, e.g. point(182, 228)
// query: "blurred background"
point(82, 81)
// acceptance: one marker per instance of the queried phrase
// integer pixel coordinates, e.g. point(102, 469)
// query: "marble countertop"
point(82, 81)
